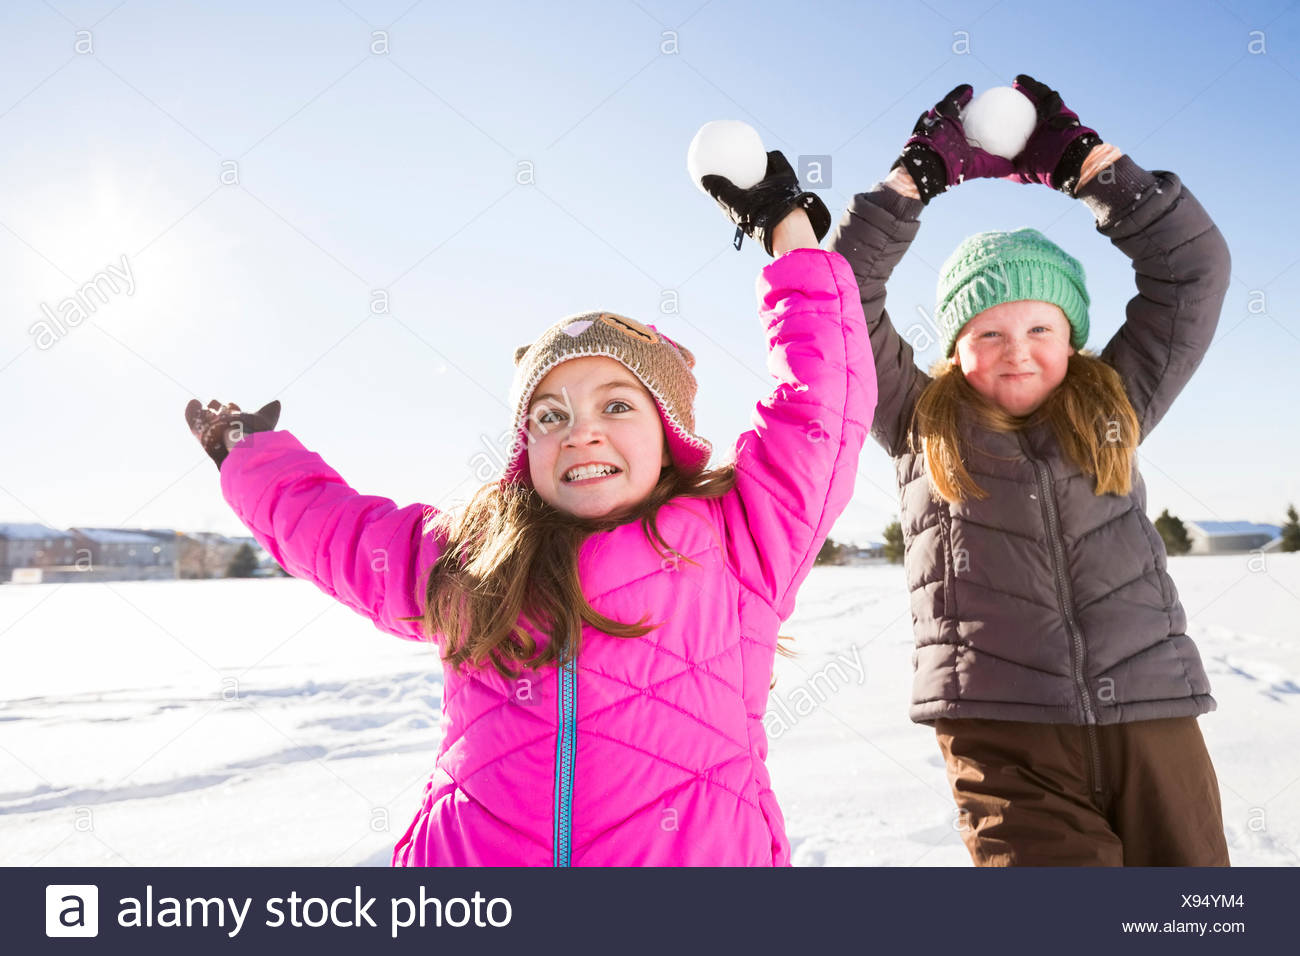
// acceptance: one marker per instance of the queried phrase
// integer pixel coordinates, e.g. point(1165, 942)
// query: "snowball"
point(727, 148)
point(1000, 121)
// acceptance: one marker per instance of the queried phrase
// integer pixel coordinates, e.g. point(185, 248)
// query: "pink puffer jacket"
point(648, 751)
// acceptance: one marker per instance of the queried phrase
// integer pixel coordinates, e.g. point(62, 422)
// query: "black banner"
point(662, 911)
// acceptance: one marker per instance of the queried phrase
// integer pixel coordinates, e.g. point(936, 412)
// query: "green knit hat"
point(990, 268)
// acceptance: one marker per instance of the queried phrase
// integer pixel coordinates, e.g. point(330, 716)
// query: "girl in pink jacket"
point(607, 612)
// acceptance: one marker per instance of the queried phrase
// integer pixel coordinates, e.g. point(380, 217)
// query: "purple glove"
point(1059, 144)
point(938, 157)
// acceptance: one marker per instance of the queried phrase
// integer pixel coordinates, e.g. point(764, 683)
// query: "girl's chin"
point(595, 506)
point(1019, 409)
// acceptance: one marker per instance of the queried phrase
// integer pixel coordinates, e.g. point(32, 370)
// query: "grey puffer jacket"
point(1045, 602)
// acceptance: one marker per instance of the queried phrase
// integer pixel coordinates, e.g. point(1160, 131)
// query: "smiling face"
point(592, 411)
point(1015, 354)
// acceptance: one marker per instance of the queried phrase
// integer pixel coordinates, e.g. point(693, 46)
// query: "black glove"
point(758, 209)
point(219, 426)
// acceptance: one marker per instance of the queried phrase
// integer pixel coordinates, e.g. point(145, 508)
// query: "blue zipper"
point(565, 747)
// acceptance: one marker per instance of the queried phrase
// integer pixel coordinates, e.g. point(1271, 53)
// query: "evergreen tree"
point(1291, 530)
point(831, 553)
point(244, 563)
point(1174, 534)
point(894, 542)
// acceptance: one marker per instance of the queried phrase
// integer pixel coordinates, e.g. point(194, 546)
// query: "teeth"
point(588, 471)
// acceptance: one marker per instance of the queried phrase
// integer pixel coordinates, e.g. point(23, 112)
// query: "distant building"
point(117, 554)
point(204, 554)
point(871, 553)
point(33, 553)
point(33, 546)
point(170, 541)
point(1230, 537)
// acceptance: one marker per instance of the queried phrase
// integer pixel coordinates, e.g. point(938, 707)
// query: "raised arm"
point(1180, 259)
point(1182, 268)
point(872, 235)
point(364, 551)
point(796, 467)
point(879, 226)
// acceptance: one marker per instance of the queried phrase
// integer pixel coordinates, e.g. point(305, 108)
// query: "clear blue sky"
point(396, 171)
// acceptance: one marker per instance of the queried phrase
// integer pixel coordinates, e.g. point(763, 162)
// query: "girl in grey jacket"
point(1051, 654)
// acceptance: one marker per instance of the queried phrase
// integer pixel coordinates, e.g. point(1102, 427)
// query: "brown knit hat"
point(661, 365)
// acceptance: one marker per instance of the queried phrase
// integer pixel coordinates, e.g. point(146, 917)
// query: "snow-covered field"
point(258, 722)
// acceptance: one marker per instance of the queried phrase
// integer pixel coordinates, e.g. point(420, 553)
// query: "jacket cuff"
point(1115, 190)
point(244, 453)
point(808, 270)
point(896, 204)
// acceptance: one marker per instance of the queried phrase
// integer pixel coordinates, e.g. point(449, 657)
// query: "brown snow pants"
point(1136, 794)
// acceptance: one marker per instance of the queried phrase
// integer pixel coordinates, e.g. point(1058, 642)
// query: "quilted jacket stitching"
point(485, 807)
point(623, 585)
point(1146, 575)
point(1143, 650)
point(497, 758)
point(702, 775)
point(675, 788)
point(1019, 597)
point(702, 663)
point(638, 692)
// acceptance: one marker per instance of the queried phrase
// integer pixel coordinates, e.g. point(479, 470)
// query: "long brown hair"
point(1089, 412)
point(510, 557)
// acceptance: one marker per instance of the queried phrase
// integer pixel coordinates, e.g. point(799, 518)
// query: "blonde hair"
point(511, 558)
point(1089, 412)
